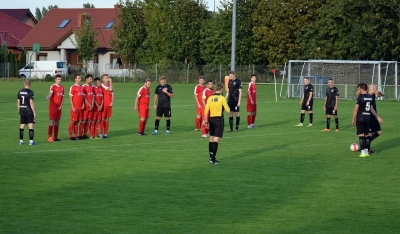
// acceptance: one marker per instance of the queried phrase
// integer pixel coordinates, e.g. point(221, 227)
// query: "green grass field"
point(277, 178)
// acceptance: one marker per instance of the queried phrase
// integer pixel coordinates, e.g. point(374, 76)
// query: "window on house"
point(109, 25)
point(63, 23)
point(41, 57)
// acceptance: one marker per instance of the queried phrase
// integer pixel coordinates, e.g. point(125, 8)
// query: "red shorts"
point(203, 116)
point(76, 116)
point(251, 108)
point(107, 112)
point(87, 114)
point(96, 115)
point(144, 112)
point(54, 113)
point(200, 111)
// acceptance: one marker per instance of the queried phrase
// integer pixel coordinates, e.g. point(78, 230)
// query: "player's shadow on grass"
point(386, 144)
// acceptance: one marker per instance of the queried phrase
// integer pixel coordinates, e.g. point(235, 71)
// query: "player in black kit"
point(162, 104)
point(234, 95)
point(362, 116)
point(27, 112)
point(306, 102)
point(331, 104)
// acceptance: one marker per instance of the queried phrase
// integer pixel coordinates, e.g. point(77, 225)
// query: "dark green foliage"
point(39, 14)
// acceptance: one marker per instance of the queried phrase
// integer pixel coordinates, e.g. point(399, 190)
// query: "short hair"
point(27, 82)
point(102, 76)
point(147, 80)
point(210, 81)
point(305, 77)
point(219, 86)
point(76, 75)
point(253, 75)
point(96, 79)
point(162, 77)
point(363, 86)
point(201, 77)
point(330, 78)
point(87, 76)
point(232, 72)
point(58, 76)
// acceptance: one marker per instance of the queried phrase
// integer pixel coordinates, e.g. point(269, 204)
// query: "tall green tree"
point(39, 14)
point(88, 5)
point(217, 38)
point(173, 30)
point(3, 58)
point(86, 40)
point(12, 64)
point(278, 26)
point(129, 31)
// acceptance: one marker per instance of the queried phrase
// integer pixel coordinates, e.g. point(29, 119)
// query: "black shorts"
point(216, 126)
point(305, 107)
point(330, 111)
point(232, 103)
point(363, 127)
point(166, 111)
point(26, 119)
point(375, 125)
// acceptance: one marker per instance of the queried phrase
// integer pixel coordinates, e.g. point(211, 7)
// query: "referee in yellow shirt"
point(216, 105)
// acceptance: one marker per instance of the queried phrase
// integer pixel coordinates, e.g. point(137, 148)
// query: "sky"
point(74, 4)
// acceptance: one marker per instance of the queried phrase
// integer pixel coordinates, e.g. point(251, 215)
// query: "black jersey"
point(331, 94)
point(307, 90)
point(25, 96)
point(374, 102)
point(364, 101)
point(234, 86)
point(163, 99)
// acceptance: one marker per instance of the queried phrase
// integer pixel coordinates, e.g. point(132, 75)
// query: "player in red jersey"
point(76, 97)
point(56, 98)
point(97, 108)
point(251, 102)
point(198, 92)
point(108, 94)
point(207, 92)
point(88, 110)
point(142, 105)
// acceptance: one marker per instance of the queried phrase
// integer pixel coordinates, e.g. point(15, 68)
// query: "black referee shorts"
point(216, 126)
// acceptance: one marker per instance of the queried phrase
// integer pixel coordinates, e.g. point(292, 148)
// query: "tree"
point(12, 65)
point(216, 38)
point(39, 14)
point(129, 31)
point(88, 5)
point(278, 26)
point(173, 30)
point(86, 40)
point(3, 59)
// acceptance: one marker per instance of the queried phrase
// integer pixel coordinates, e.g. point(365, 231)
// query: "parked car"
point(40, 69)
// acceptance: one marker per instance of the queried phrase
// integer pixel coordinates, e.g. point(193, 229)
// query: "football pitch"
point(277, 178)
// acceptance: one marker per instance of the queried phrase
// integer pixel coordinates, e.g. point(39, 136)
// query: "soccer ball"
point(354, 147)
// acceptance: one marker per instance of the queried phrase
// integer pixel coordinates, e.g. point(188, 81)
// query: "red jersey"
point(144, 94)
point(57, 95)
point(198, 91)
point(107, 94)
point(206, 94)
point(76, 91)
point(98, 94)
point(88, 91)
point(251, 91)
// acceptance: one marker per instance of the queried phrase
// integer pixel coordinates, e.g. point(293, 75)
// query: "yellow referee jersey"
point(216, 105)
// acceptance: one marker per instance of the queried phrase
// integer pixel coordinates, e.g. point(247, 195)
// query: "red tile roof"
point(12, 30)
point(49, 36)
point(18, 14)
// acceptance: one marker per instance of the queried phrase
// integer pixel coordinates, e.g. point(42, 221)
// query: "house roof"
point(19, 14)
point(49, 36)
point(12, 30)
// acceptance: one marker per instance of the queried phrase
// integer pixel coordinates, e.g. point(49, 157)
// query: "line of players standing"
point(91, 107)
point(368, 127)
